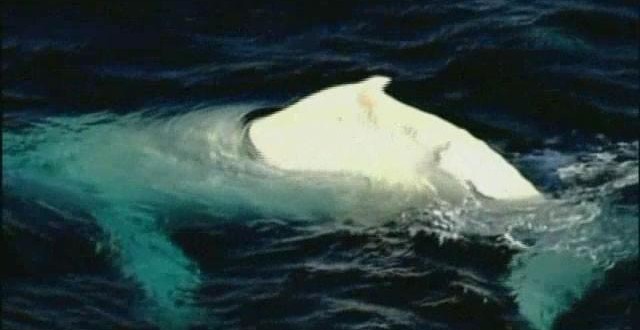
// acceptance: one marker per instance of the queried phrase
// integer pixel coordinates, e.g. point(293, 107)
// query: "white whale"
point(358, 129)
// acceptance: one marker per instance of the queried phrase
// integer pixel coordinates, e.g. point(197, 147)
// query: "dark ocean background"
point(552, 85)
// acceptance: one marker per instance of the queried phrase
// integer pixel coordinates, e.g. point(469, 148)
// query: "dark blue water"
point(118, 212)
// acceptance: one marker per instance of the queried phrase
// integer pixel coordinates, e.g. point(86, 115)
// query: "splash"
point(136, 174)
point(566, 243)
point(578, 236)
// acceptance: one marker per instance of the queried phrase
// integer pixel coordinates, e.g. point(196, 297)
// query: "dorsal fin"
point(371, 88)
point(375, 83)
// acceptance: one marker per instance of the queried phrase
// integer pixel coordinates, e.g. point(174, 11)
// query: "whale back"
point(359, 129)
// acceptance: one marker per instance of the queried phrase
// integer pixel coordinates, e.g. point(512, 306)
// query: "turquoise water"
point(130, 199)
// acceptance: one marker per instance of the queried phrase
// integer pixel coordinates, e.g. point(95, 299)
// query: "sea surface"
point(126, 204)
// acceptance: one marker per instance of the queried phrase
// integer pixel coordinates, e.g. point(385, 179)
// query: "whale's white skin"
point(359, 129)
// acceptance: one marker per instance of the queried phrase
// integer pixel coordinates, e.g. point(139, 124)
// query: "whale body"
point(359, 129)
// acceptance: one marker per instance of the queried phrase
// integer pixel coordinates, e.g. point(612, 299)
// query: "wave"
point(143, 174)
point(92, 197)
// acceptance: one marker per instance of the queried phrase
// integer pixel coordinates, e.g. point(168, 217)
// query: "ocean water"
point(128, 204)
